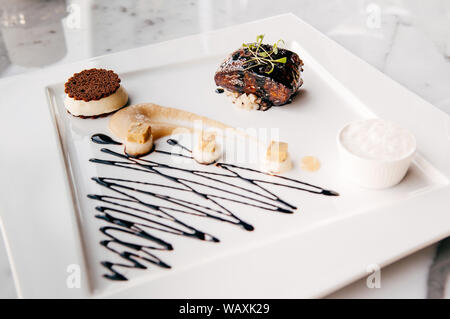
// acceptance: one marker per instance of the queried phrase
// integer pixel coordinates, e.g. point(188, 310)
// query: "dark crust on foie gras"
point(236, 74)
point(92, 84)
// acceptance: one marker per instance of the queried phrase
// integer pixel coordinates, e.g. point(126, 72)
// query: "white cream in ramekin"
point(375, 153)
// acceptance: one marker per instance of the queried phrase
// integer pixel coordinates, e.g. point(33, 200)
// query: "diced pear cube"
point(139, 132)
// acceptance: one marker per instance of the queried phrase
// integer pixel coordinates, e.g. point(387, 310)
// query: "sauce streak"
point(130, 214)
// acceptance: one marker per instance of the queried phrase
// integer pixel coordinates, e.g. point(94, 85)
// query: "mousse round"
point(94, 92)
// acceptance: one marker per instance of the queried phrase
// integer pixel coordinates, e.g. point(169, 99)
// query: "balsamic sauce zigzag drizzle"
point(124, 216)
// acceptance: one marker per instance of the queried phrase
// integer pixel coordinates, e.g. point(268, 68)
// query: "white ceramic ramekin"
point(372, 173)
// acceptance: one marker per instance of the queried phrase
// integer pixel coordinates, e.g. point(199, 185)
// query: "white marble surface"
point(409, 40)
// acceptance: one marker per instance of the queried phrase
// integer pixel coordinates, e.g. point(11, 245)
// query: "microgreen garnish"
point(261, 56)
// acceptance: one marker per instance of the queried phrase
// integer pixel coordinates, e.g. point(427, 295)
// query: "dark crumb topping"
point(92, 84)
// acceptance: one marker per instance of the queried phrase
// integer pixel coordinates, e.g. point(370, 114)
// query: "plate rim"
point(289, 18)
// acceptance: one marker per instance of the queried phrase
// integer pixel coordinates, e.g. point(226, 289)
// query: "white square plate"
point(49, 223)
